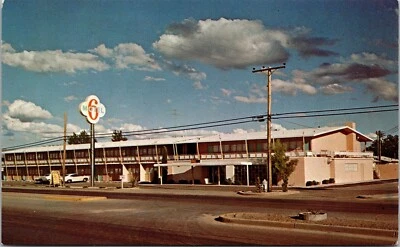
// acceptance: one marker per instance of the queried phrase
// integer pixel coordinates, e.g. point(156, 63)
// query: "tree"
point(117, 136)
point(281, 165)
point(389, 147)
point(82, 138)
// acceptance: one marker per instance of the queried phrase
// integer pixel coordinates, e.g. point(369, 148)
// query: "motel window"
point(226, 148)
point(112, 152)
point(54, 155)
point(259, 147)
point(213, 149)
point(41, 156)
point(128, 152)
point(233, 148)
point(18, 157)
point(81, 154)
point(9, 158)
point(70, 154)
point(252, 147)
point(30, 156)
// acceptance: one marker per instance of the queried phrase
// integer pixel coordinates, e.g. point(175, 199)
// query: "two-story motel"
point(322, 153)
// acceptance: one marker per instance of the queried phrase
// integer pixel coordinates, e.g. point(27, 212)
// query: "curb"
point(274, 193)
point(74, 198)
point(314, 227)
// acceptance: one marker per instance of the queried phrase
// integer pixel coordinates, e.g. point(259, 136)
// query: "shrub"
point(325, 181)
point(331, 180)
point(309, 183)
point(315, 182)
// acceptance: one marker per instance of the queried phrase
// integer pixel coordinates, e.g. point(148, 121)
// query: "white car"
point(74, 177)
point(44, 179)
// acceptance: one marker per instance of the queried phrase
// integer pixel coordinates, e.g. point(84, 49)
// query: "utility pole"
point(269, 72)
point(379, 144)
point(65, 148)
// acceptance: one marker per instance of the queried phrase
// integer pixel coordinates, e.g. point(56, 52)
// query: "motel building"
point(323, 153)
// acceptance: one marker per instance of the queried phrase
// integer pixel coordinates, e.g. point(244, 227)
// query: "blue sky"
point(161, 63)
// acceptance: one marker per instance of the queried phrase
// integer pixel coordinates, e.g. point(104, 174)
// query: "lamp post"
point(269, 72)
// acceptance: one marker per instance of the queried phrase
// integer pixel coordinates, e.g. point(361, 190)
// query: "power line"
point(226, 122)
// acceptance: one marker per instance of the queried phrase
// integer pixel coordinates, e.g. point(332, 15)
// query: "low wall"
point(387, 171)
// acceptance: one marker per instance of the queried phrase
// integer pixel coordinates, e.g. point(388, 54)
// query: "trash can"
point(206, 180)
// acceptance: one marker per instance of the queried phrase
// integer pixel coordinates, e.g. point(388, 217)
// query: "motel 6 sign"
point(92, 109)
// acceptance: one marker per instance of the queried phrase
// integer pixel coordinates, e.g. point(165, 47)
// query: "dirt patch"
point(330, 221)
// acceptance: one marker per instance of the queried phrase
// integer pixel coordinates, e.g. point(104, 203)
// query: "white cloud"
point(236, 44)
point(27, 111)
point(291, 88)
point(223, 43)
point(226, 92)
point(131, 127)
point(371, 59)
point(70, 98)
point(51, 60)
point(366, 69)
point(250, 99)
point(258, 94)
point(335, 88)
point(41, 129)
point(184, 70)
point(128, 54)
point(150, 78)
point(382, 89)
point(199, 86)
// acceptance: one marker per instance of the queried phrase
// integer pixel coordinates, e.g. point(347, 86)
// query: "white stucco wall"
point(352, 170)
point(309, 169)
point(316, 168)
point(336, 142)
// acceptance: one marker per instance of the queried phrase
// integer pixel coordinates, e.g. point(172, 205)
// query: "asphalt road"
point(167, 219)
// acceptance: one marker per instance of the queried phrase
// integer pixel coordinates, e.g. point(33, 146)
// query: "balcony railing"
point(185, 157)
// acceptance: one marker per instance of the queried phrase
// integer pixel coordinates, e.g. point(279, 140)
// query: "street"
point(44, 219)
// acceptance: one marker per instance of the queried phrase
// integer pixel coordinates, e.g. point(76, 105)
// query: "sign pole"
point(92, 157)
point(93, 110)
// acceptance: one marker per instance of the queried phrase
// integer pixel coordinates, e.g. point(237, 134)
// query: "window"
point(350, 167)
point(259, 147)
point(30, 156)
point(54, 155)
point(226, 148)
point(9, 158)
point(18, 156)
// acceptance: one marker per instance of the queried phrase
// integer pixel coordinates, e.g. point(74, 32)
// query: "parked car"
point(74, 177)
point(44, 179)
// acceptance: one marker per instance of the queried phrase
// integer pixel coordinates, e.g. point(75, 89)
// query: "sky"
point(163, 63)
